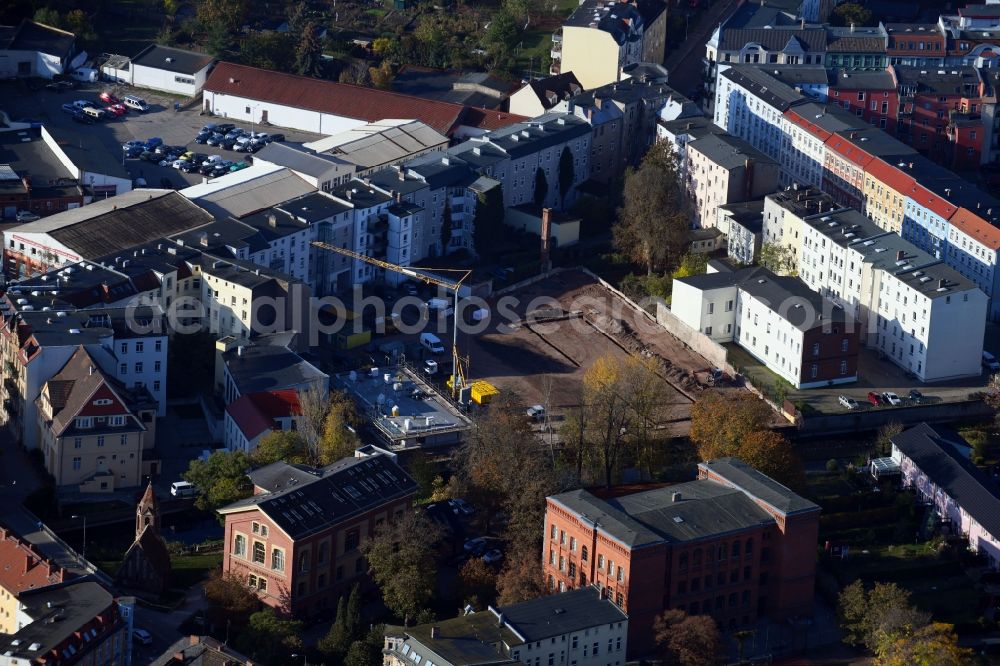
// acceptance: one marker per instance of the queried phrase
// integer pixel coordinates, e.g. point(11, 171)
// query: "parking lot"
point(102, 141)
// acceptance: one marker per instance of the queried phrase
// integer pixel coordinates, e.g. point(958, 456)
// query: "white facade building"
point(170, 70)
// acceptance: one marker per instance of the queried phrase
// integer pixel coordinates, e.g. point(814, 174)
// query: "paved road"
point(164, 627)
point(685, 64)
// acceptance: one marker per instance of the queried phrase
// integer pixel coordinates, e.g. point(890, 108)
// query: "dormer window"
point(102, 401)
point(118, 420)
point(84, 422)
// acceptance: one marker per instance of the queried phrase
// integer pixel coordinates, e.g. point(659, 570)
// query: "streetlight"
point(304, 662)
point(84, 552)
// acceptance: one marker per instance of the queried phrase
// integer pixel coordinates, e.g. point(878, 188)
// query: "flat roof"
point(172, 59)
point(30, 157)
point(416, 418)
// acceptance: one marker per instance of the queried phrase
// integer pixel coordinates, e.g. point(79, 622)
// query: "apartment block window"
point(843, 365)
point(553, 532)
point(600, 561)
point(138, 368)
point(708, 330)
point(77, 463)
point(729, 306)
point(572, 544)
point(240, 546)
point(77, 442)
point(844, 344)
point(258, 552)
point(123, 348)
point(814, 371)
point(100, 440)
point(562, 537)
point(351, 540)
point(158, 345)
point(583, 553)
point(815, 349)
point(711, 308)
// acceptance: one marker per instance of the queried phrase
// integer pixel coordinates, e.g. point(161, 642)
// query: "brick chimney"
point(546, 232)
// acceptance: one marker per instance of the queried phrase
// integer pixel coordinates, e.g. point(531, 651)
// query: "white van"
point(183, 489)
point(96, 114)
point(432, 343)
point(85, 74)
point(136, 103)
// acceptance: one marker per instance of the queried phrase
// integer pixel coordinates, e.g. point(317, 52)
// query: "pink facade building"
point(934, 461)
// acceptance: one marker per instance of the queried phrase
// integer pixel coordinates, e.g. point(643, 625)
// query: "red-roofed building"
point(844, 170)
point(22, 568)
point(250, 418)
point(238, 92)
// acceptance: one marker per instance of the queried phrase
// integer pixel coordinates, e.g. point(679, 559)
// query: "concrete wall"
point(592, 55)
point(278, 115)
point(715, 353)
point(161, 79)
point(873, 419)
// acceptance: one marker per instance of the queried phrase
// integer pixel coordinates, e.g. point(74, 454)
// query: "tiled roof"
point(254, 413)
point(341, 99)
point(22, 567)
point(773, 39)
point(890, 175)
point(976, 227)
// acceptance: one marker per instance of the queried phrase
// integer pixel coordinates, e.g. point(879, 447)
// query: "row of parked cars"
point(180, 158)
point(87, 112)
point(231, 137)
point(879, 399)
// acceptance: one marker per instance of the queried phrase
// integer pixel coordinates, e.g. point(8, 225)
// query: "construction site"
point(566, 321)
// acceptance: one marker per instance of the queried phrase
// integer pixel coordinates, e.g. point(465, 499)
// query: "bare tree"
point(314, 406)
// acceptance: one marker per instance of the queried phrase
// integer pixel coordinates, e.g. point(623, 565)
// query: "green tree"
point(368, 650)
point(879, 617)
point(48, 16)
point(777, 258)
point(340, 426)
point(79, 23)
point(934, 644)
point(653, 222)
point(403, 566)
point(446, 225)
point(339, 637)
point(567, 174)
point(541, 186)
point(518, 10)
point(489, 217)
point(851, 13)
point(308, 52)
point(883, 440)
point(268, 50)
point(693, 263)
point(270, 638)
point(277, 445)
point(220, 480)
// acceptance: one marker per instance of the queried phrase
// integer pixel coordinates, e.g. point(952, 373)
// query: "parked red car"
point(874, 398)
point(116, 110)
point(108, 98)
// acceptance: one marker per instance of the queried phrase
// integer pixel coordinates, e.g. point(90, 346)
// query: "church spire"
point(147, 513)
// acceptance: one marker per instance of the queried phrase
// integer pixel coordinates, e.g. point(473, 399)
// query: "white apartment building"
point(805, 129)
point(907, 301)
point(797, 334)
point(750, 104)
point(785, 211)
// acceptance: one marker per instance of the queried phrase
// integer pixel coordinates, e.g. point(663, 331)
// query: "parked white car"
point(848, 402)
point(891, 398)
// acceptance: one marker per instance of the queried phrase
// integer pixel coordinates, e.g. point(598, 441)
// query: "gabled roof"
point(936, 450)
point(554, 615)
point(256, 412)
point(812, 40)
point(341, 99)
point(171, 59)
point(766, 87)
point(23, 568)
point(553, 89)
point(759, 486)
point(344, 489)
point(31, 36)
point(976, 227)
point(72, 388)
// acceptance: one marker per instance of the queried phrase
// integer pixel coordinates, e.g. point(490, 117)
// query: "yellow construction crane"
point(457, 376)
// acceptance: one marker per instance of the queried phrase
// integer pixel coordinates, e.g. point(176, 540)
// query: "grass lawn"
point(536, 40)
point(188, 570)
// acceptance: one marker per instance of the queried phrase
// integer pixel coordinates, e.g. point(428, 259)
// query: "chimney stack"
point(272, 220)
point(675, 497)
point(435, 632)
point(941, 283)
point(546, 232)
